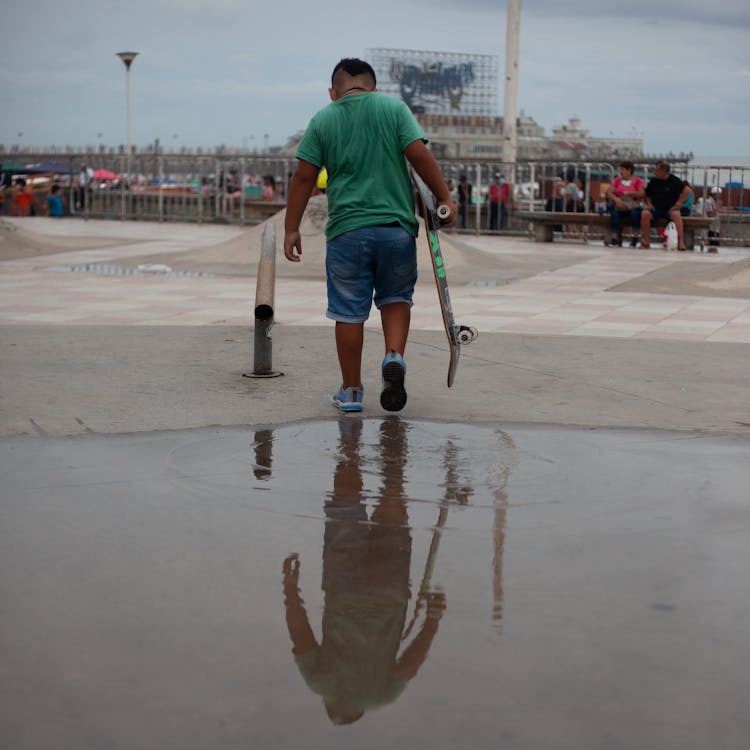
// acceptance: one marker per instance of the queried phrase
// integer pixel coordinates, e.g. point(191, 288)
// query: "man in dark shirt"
point(665, 194)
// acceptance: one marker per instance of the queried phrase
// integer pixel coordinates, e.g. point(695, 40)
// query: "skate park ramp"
point(19, 242)
point(375, 583)
point(729, 280)
point(240, 255)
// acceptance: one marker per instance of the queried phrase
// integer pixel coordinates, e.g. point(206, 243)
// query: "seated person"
point(55, 201)
point(665, 196)
point(687, 206)
point(625, 195)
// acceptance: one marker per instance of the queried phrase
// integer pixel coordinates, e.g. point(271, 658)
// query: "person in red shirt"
point(625, 195)
point(499, 197)
point(24, 198)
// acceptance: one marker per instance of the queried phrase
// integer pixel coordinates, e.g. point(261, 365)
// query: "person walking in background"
point(493, 197)
point(499, 199)
point(664, 197)
point(464, 198)
point(361, 138)
point(85, 176)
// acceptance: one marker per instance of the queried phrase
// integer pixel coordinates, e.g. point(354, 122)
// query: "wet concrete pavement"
point(438, 584)
point(550, 554)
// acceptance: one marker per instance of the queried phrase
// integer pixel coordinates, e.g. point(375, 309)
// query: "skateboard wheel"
point(443, 212)
point(466, 335)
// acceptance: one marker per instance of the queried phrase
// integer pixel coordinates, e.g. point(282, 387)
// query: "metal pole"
point(161, 186)
point(242, 191)
point(264, 294)
point(127, 58)
point(218, 192)
point(128, 120)
point(478, 199)
point(122, 191)
point(510, 105)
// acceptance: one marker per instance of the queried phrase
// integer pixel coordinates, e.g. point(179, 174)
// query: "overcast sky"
point(676, 72)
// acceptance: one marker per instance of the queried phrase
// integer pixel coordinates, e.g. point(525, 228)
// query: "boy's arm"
point(300, 189)
point(427, 168)
point(413, 657)
point(297, 623)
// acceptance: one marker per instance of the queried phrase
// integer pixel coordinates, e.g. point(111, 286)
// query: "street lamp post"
point(127, 58)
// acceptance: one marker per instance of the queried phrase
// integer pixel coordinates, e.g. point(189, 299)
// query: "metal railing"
point(170, 187)
point(161, 190)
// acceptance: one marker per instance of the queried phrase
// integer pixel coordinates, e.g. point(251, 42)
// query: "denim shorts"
point(658, 213)
point(373, 262)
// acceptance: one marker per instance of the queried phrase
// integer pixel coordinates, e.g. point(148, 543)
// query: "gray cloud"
point(229, 71)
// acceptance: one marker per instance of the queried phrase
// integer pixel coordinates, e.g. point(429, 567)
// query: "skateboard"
point(457, 334)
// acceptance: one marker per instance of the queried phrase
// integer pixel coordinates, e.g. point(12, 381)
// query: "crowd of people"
point(20, 198)
point(56, 195)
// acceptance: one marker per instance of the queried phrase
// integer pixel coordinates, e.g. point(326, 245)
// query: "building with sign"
point(455, 98)
point(438, 83)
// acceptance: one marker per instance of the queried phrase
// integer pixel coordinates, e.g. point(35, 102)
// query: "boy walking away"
point(361, 138)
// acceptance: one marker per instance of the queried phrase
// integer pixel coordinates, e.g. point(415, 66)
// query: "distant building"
point(481, 138)
point(454, 96)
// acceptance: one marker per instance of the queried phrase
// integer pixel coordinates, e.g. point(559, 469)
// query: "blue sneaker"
point(393, 396)
point(349, 399)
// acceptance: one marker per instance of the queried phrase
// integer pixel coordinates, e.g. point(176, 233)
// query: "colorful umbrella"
point(105, 174)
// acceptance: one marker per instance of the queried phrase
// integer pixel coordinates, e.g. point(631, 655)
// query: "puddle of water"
point(417, 582)
point(109, 269)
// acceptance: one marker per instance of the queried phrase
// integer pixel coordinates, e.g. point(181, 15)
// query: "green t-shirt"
point(360, 139)
point(355, 666)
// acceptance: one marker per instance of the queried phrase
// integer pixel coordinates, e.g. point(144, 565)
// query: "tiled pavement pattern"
point(571, 301)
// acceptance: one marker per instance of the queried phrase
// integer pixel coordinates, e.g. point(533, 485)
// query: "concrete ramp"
point(19, 242)
point(240, 255)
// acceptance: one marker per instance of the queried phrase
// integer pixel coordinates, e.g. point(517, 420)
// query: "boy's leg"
point(395, 318)
point(349, 342)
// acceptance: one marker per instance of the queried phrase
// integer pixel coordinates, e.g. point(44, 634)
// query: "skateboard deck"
point(457, 334)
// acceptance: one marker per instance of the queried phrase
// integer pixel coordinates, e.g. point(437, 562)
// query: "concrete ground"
point(567, 337)
point(552, 553)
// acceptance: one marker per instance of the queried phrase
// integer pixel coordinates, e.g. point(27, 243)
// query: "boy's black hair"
point(354, 67)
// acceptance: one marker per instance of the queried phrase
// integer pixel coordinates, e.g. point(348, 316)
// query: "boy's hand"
point(293, 246)
point(451, 218)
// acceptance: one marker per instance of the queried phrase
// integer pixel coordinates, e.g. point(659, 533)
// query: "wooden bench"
point(543, 223)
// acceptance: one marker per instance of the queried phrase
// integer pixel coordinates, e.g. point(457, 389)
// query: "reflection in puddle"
point(143, 580)
point(370, 648)
point(263, 445)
